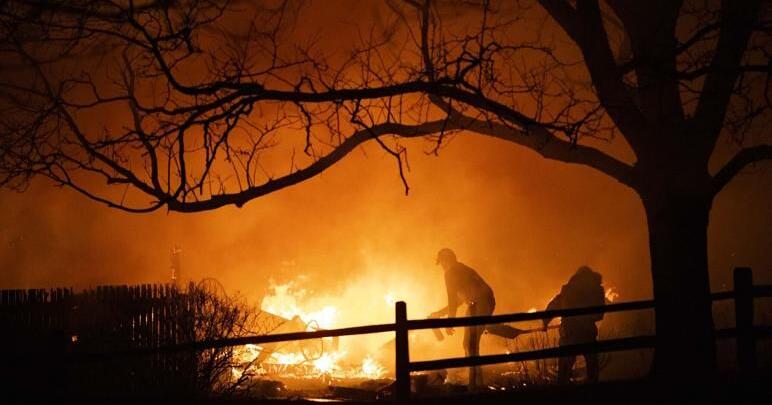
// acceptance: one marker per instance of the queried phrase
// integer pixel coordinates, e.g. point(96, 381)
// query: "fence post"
point(743, 307)
point(402, 391)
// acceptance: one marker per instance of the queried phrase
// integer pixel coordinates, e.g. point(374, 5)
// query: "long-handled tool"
point(510, 332)
point(505, 331)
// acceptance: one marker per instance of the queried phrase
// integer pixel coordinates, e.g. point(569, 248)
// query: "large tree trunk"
point(677, 218)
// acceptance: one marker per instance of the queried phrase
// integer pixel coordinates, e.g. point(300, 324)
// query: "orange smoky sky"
point(523, 222)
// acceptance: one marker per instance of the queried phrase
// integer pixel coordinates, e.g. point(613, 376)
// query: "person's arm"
point(440, 313)
point(600, 296)
point(451, 284)
point(556, 303)
point(599, 299)
point(452, 288)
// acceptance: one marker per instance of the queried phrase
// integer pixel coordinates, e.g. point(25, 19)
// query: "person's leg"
point(565, 369)
point(593, 366)
point(472, 347)
point(484, 308)
point(505, 331)
point(474, 341)
point(565, 364)
point(469, 334)
point(593, 369)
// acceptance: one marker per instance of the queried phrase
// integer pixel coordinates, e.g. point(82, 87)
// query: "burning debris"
point(277, 364)
point(310, 365)
point(326, 368)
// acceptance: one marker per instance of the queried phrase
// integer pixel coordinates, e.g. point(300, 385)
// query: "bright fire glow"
point(287, 358)
point(390, 300)
point(357, 359)
point(327, 363)
point(285, 302)
point(294, 363)
point(371, 368)
point(611, 294)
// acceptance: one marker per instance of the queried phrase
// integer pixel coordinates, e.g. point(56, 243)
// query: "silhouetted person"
point(465, 286)
point(584, 289)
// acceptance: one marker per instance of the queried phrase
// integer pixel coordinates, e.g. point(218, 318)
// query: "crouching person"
point(584, 289)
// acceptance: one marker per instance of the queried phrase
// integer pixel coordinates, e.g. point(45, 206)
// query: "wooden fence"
point(106, 317)
point(745, 331)
point(43, 328)
point(49, 337)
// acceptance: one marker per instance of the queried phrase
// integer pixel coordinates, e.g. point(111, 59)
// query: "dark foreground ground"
point(758, 391)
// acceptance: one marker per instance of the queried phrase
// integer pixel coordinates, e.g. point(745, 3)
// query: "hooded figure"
point(584, 289)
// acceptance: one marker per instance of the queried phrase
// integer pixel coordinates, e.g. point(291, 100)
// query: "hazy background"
point(524, 223)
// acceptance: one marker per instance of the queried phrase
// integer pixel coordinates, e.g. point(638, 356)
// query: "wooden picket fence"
point(104, 318)
point(49, 326)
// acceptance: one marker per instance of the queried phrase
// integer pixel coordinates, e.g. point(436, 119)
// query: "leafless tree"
point(216, 103)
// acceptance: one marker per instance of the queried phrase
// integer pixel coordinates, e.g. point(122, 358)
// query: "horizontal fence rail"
point(530, 316)
point(762, 291)
point(611, 345)
point(241, 341)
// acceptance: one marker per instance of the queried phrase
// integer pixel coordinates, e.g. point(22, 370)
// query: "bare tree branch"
point(737, 22)
point(212, 89)
point(741, 160)
point(585, 27)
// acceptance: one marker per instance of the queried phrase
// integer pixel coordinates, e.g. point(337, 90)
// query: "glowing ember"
point(371, 368)
point(611, 294)
point(328, 362)
point(390, 300)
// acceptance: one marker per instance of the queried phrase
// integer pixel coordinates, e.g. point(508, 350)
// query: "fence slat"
point(402, 392)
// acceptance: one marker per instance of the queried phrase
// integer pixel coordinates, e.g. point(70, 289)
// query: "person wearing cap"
point(584, 289)
point(465, 286)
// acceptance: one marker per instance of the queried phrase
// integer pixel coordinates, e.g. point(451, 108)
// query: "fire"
point(296, 364)
point(284, 301)
point(328, 362)
point(287, 359)
point(244, 357)
point(293, 302)
point(369, 298)
point(390, 300)
point(611, 294)
point(371, 368)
